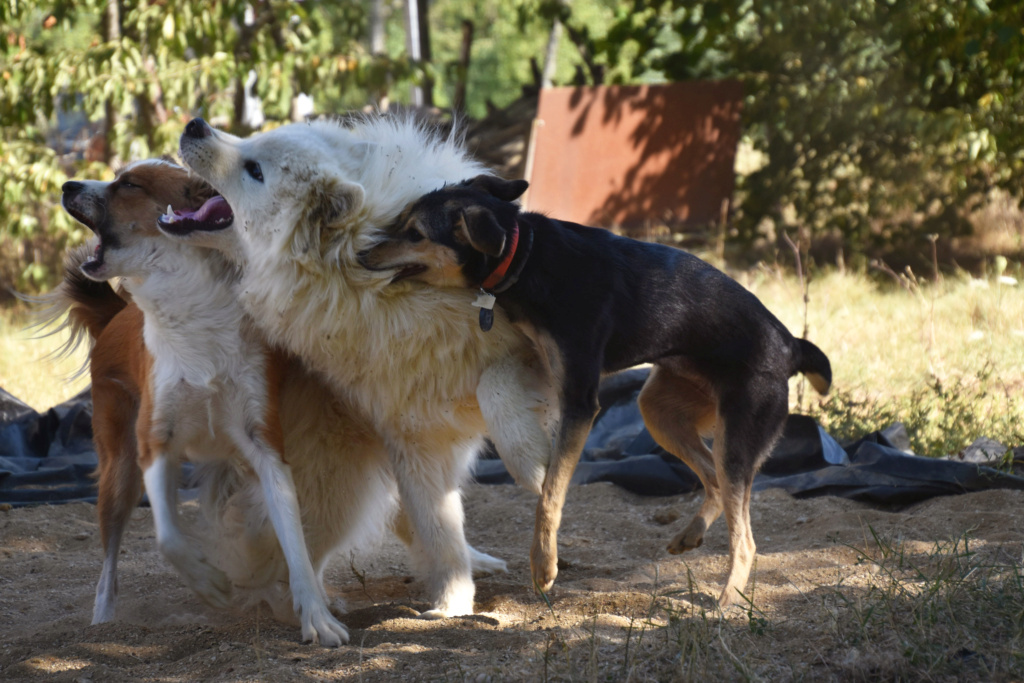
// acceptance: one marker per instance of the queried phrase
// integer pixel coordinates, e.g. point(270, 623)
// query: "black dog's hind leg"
point(750, 421)
point(678, 410)
point(579, 408)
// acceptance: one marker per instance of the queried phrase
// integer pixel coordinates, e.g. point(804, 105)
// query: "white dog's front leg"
point(430, 496)
point(517, 402)
point(308, 599)
point(208, 582)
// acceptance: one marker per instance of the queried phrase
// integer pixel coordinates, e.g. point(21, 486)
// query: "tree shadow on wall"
point(677, 145)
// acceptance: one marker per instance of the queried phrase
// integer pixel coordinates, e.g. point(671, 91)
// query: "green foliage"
point(165, 63)
point(881, 120)
point(941, 418)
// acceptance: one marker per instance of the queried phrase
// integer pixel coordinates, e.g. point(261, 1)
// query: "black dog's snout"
point(197, 128)
point(72, 187)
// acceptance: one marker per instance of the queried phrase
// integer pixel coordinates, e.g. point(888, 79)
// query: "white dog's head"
point(319, 192)
point(288, 187)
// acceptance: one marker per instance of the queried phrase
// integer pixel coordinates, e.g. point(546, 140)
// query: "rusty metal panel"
point(632, 156)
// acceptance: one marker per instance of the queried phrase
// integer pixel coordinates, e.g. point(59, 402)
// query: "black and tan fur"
point(596, 303)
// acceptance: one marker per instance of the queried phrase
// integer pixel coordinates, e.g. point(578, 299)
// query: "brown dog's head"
point(125, 213)
point(452, 237)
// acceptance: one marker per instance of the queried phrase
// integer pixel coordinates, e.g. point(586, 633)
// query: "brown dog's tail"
point(814, 365)
point(89, 305)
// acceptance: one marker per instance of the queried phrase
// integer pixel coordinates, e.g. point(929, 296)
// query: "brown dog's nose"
point(197, 128)
point(72, 187)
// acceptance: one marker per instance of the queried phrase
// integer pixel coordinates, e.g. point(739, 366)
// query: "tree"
point(143, 70)
point(879, 119)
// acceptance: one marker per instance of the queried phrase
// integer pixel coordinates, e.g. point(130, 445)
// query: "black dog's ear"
point(481, 230)
point(505, 190)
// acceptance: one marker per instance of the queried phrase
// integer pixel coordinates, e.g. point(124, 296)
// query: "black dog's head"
point(452, 237)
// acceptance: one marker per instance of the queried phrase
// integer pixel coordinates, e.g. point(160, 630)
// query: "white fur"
point(411, 356)
point(209, 394)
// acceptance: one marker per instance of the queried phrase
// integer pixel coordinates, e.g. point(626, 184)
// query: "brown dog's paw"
point(688, 539)
point(543, 568)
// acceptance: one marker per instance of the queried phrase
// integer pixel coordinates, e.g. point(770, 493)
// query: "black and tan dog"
point(595, 303)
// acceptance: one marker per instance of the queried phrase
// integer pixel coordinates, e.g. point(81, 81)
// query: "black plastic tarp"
point(49, 458)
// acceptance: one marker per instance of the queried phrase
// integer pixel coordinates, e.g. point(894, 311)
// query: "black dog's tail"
point(813, 363)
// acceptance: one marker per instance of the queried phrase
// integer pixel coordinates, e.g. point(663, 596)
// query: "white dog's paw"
point(102, 613)
point(459, 605)
point(318, 624)
point(434, 614)
point(486, 565)
point(207, 581)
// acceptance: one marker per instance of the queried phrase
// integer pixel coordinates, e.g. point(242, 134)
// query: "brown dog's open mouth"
point(214, 215)
point(80, 216)
point(96, 262)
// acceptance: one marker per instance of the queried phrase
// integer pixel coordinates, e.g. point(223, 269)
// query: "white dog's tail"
point(240, 537)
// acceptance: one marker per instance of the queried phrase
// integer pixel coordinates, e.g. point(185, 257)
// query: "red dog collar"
point(498, 274)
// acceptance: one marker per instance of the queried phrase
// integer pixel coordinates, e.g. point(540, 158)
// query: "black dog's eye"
point(125, 185)
point(254, 170)
point(413, 235)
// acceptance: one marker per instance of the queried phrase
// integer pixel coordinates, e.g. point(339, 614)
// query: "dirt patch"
point(621, 608)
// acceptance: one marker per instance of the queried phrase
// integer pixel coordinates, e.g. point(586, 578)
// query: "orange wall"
point(631, 156)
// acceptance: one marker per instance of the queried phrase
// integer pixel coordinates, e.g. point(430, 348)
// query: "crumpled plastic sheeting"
point(49, 458)
point(806, 462)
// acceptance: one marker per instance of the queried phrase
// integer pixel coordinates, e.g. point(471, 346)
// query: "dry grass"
point(951, 611)
point(945, 358)
point(27, 368)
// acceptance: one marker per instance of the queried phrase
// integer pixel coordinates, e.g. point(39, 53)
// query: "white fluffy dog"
point(307, 198)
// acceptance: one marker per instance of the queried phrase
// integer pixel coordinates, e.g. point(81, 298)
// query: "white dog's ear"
point(330, 203)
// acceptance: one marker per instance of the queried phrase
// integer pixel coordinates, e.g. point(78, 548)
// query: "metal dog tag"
point(486, 319)
point(485, 302)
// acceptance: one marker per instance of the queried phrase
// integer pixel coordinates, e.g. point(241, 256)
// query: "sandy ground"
point(602, 623)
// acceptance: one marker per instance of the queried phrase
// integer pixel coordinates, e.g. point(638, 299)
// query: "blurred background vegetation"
point(867, 124)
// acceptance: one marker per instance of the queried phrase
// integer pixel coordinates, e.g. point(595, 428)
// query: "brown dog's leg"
point(120, 485)
point(677, 410)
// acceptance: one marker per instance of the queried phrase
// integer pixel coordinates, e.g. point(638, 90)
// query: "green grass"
point(27, 369)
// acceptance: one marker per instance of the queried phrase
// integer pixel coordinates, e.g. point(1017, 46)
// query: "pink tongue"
point(212, 207)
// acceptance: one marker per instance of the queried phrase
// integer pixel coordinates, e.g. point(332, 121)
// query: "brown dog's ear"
point(505, 190)
point(481, 230)
point(329, 202)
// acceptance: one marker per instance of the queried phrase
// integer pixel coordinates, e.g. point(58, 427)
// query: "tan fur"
point(410, 356)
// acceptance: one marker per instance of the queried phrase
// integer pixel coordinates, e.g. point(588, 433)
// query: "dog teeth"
point(170, 217)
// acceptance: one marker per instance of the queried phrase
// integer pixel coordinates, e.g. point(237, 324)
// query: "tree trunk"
point(111, 31)
point(459, 103)
point(377, 44)
point(378, 48)
point(418, 41)
point(551, 55)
